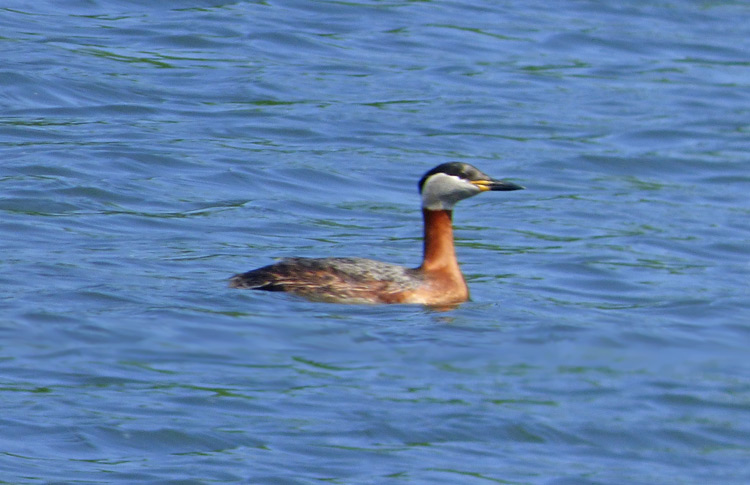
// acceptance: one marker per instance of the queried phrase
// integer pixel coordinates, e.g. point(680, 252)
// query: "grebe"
point(438, 281)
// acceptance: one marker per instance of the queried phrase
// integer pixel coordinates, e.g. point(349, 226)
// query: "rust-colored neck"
point(439, 252)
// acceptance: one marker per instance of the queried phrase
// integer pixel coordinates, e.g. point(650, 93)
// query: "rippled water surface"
point(152, 149)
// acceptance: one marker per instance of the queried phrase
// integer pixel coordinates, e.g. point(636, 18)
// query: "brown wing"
point(332, 279)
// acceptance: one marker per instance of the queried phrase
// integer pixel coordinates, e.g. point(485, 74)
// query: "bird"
point(438, 281)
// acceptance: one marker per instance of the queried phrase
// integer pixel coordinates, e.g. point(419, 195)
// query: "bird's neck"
point(439, 251)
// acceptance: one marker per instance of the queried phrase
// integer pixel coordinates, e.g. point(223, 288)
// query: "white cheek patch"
point(442, 191)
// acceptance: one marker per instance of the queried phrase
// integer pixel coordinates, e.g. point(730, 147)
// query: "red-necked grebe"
point(438, 281)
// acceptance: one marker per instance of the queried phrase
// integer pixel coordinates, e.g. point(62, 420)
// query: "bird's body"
point(353, 280)
point(437, 281)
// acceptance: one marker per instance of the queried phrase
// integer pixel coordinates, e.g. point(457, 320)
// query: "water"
point(152, 149)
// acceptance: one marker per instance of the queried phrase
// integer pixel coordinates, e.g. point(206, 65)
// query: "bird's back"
point(352, 280)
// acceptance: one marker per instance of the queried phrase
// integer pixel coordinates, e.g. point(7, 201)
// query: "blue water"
point(152, 149)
